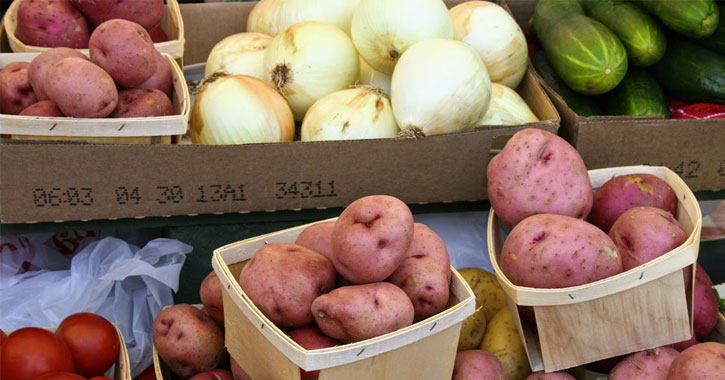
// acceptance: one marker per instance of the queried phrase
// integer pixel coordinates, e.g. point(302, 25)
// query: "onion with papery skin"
point(263, 17)
point(383, 29)
point(308, 61)
point(335, 12)
point(362, 112)
point(438, 87)
point(239, 109)
point(241, 53)
point(370, 77)
point(496, 36)
point(507, 108)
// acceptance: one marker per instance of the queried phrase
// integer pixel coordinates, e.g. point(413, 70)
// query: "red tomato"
point(3, 336)
point(100, 378)
point(93, 342)
point(30, 352)
point(148, 374)
point(60, 376)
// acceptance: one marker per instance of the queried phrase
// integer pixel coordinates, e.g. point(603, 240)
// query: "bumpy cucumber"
point(638, 94)
point(693, 18)
point(582, 105)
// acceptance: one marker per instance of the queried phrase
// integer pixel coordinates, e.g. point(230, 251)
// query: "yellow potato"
point(502, 339)
point(472, 330)
point(488, 291)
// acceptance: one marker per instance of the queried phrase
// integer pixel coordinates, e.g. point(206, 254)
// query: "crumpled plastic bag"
point(126, 285)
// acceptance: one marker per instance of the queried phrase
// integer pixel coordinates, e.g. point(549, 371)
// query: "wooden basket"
point(172, 24)
point(424, 350)
point(147, 130)
point(642, 308)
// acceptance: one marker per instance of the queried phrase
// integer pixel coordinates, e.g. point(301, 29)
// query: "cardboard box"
point(691, 148)
point(647, 306)
point(425, 350)
point(84, 182)
point(172, 24)
point(158, 130)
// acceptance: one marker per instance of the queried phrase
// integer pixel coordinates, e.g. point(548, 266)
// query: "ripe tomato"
point(100, 378)
point(30, 352)
point(93, 342)
point(148, 374)
point(60, 376)
point(3, 336)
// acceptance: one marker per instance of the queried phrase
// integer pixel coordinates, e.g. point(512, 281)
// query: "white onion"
point(240, 53)
point(362, 112)
point(383, 29)
point(263, 17)
point(370, 77)
point(496, 36)
point(335, 12)
point(240, 109)
point(507, 108)
point(439, 86)
point(308, 61)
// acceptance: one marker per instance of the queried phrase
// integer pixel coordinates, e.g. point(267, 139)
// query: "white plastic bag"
point(127, 285)
point(464, 234)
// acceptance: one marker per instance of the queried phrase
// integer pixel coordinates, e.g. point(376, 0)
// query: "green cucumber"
point(690, 72)
point(716, 41)
point(581, 104)
point(638, 94)
point(586, 54)
point(642, 36)
point(692, 18)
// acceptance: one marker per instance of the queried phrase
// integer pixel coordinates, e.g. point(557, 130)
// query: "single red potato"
point(371, 238)
point(704, 361)
point(644, 233)
point(142, 102)
point(161, 79)
point(210, 293)
point(478, 365)
point(51, 23)
point(706, 310)
point(682, 346)
point(80, 88)
point(216, 374)
point(538, 172)
point(147, 13)
point(39, 67)
point(556, 251)
point(359, 312)
point(425, 274)
point(649, 364)
point(311, 338)
point(550, 376)
point(283, 279)
point(318, 237)
point(623, 192)
point(46, 108)
point(125, 50)
point(16, 93)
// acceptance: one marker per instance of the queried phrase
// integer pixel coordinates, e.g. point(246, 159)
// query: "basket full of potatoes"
point(367, 293)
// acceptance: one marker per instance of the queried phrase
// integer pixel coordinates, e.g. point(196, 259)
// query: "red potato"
point(158, 34)
point(210, 293)
point(644, 233)
point(188, 340)
point(147, 13)
point(550, 376)
point(704, 361)
point(623, 192)
point(237, 371)
point(645, 365)
point(45, 108)
point(16, 93)
point(318, 237)
point(161, 79)
point(359, 312)
point(39, 67)
point(682, 346)
point(216, 374)
point(142, 102)
point(283, 279)
point(538, 172)
point(125, 50)
point(80, 88)
point(477, 365)
point(311, 338)
point(706, 310)
point(371, 238)
point(51, 23)
point(556, 251)
point(425, 274)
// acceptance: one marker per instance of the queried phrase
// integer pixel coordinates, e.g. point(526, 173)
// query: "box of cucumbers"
point(636, 82)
